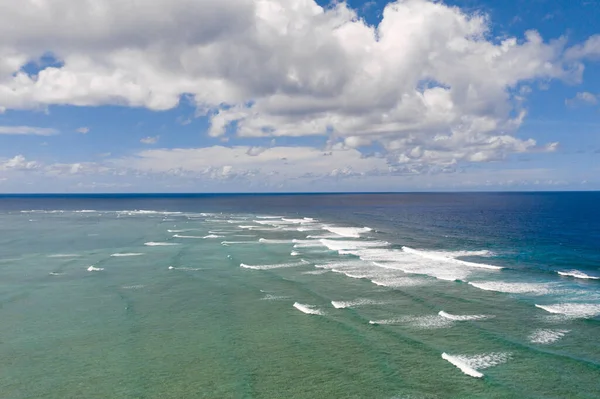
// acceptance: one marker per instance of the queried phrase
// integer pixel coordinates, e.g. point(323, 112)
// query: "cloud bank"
point(425, 90)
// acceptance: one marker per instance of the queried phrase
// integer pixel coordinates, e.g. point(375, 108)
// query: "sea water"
point(300, 296)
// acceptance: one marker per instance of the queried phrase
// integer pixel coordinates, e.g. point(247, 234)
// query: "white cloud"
point(589, 49)
point(83, 130)
point(427, 84)
point(585, 98)
point(28, 130)
point(149, 140)
point(18, 163)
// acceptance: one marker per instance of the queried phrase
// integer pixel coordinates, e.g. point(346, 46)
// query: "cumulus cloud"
point(149, 140)
point(18, 163)
point(28, 130)
point(427, 84)
point(585, 98)
point(83, 130)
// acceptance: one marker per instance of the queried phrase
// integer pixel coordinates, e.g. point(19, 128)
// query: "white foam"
point(56, 274)
point(322, 236)
point(270, 297)
point(213, 236)
point(182, 231)
point(268, 217)
point(94, 269)
point(355, 303)
point(459, 254)
point(268, 241)
point(578, 274)
point(545, 337)
point(297, 221)
point(397, 282)
point(465, 368)
point(462, 317)
point(146, 212)
point(352, 232)
point(443, 256)
point(188, 269)
point(515, 288)
point(160, 244)
point(126, 254)
point(63, 256)
point(316, 272)
point(349, 245)
point(133, 287)
point(308, 244)
point(274, 266)
point(86, 211)
point(470, 365)
point(308, 309)
point(182, 236)
point(294, 253)
point(428, 322)
point(575, 310)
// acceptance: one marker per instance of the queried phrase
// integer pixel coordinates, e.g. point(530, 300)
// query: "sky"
point(299, 95)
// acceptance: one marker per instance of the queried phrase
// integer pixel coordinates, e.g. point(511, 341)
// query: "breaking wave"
point(308, 309)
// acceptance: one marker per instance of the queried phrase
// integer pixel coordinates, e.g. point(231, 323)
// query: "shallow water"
point(347, 296)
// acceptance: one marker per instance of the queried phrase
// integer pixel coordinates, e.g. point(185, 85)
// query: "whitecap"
point(574, 310)
point(578, 274)
point(427, 322)
point(351, 232)
point(470, 365)
point(274, 266)
point(269, 241)
point(316, 272)
point(544, 337)
point(193, 237)
point(95, 269)
point(335, 245)
point(160, 244)
point(308, 309)
point(213, 236)
point(462, 317)
point(294, 253)
point(445, 258)
point(270, 297)
point(119, 255)
point(187, 269)
point(133, 287)
point(515, 288)
point(356, 303)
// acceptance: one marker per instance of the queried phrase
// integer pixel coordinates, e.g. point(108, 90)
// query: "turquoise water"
point(292, 299)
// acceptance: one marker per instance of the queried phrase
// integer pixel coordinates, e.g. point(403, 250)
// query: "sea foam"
point(160, 244)
point(470, 365)
point(308, 309)
point(274, 266)
point(578, 274)
point(94, 269)
point(355, 303)
point(462, 317)
point(127, 254)
point(574, 310)
point(351, 232)
point(515, 288)
point(544, 337)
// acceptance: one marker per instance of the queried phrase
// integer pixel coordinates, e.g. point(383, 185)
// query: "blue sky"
point(293, 97)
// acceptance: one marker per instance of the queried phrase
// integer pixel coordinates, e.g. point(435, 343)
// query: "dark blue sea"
point(437, 295)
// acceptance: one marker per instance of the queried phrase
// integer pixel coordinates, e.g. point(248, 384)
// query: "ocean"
point(471, 295)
